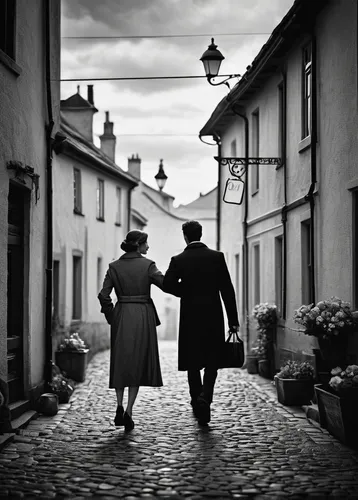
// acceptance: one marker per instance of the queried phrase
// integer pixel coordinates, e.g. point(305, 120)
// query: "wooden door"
point(15, 293)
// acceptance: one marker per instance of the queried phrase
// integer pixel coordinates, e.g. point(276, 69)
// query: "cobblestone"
point(252, 448)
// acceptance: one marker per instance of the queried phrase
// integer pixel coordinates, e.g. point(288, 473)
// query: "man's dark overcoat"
point(202, 276)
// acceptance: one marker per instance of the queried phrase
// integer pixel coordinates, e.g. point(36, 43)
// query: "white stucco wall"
point(22, 138)
point(85, 234)
point(337, 172)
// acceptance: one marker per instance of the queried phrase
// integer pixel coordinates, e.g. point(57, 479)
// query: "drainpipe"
point(129, 206)
point(49, 198)
point(284, 208)
point(217, 140)
point(310, 195)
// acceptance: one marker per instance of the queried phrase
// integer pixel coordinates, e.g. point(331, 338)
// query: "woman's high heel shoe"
point(118, 419)
point(128, 422)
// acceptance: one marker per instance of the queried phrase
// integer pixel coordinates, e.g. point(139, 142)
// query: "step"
point(23, 420)
point(6, 438)
point(311, 412)
point(18, 408)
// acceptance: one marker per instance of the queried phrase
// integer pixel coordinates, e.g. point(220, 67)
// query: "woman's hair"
point(133, 240)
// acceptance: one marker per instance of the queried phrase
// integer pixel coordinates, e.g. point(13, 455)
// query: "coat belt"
point(135, 299)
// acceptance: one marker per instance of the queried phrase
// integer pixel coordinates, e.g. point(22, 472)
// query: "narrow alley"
point(252, 448)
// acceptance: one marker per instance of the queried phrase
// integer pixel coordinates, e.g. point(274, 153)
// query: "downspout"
point(129, 206)
point(49, 199)
point(284, 208)
point(310, 195)
point(218, 199)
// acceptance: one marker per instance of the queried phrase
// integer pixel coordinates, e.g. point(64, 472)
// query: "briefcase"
point(232, 354)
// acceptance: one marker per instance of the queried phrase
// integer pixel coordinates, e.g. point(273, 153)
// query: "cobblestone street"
point(252, 448)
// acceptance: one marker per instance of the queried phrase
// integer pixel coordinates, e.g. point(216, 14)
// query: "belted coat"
point(134, 359)
point(203, 279)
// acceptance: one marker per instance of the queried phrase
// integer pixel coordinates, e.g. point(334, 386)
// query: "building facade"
point(29, 118)
point(293, 240)
point(92, 200)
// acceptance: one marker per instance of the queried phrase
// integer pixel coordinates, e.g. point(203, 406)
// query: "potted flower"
point(295, 383)
point(266, 317)
point(71, 357)
point(338, 404)
point(331, 322)
point(61, 386)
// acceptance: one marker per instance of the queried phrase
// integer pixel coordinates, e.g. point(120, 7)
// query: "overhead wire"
point(119, 37)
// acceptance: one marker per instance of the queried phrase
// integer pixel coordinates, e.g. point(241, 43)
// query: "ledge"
point(100, 219)
point(10, 63)
point(118, 224)
point(76, 212)
point(304, 144)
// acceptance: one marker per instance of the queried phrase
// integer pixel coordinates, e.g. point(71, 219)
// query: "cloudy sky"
point(161, 118)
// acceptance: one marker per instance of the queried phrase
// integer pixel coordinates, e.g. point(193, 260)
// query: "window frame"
point(279, 283)
point(306, 264)
point(119, 201)
point(100, 200)
point(77, 191)
point(255, 145)
point(282, 123)
point(256, 273)
point(76, 287)
point(306, 92)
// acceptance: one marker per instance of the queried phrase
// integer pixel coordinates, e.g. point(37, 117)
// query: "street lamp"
point(161, 178)
point(211, 60)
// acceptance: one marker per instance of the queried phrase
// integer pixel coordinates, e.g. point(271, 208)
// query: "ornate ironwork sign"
point(235, 188)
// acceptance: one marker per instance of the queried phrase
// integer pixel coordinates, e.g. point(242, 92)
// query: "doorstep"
point(6, 438)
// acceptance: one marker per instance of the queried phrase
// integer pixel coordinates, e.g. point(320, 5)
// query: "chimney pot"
point(78, 89)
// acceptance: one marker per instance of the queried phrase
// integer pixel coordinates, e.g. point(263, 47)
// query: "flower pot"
point(294, 392)
point(338, 413)
point(265, 368)
point(48, 404)
point(251, 363)
point(73, 363)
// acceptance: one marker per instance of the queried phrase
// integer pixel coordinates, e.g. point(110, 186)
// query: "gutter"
point(217, 140)
point(49, 203)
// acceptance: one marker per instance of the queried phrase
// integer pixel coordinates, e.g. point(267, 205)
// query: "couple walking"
point(199, 276)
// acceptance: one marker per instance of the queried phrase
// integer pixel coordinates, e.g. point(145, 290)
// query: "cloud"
point(168, 106)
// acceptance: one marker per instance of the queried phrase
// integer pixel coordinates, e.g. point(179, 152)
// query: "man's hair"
point(193, 230)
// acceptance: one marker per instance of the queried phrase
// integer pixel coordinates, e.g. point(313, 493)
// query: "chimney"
point(79, 112)
point(134, 166)
point(90, 94)
point(108, 139)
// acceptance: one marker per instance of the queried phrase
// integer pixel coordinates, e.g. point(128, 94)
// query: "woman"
point(134, 345)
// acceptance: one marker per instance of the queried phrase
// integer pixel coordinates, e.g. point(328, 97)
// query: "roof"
point(77, 145)
point(204, 202)
point(268, 60)
point(140, 218)
point(76, 101)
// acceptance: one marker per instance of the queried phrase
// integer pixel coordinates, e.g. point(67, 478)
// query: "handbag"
point(232, 355)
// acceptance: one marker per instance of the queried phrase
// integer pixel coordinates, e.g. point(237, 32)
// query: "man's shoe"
point(128, 422)
point(118, 419)
point(203, 411)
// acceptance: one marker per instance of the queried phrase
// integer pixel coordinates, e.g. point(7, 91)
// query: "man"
point(202, 276)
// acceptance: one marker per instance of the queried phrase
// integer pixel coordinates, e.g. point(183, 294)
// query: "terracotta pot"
point(251, 363)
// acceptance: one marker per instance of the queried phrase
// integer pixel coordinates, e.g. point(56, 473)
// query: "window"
point(256, 262)
point(281, 122)
point(7, 27)
point(306, 90)
point(100, 199)
point(99, 273)
point(355, 248)
point(279, 273)
point(119, 206)
point(233, 148)
point(56, 289)
point(77, 191)
point(306, 262)
point(237, 278)
point(77, 287)
point(255, 151)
